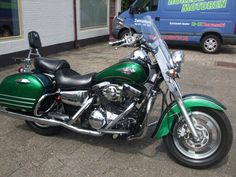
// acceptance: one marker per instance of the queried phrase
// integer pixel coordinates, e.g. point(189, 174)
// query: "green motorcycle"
point(118, 100)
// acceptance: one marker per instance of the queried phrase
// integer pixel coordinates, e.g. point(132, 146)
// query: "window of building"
point(93, 13)
point(9, 18)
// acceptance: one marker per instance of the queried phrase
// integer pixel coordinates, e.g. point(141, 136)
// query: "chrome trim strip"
point(31, 99)
point(75, 98)
point(16, 101)
point(22, 106)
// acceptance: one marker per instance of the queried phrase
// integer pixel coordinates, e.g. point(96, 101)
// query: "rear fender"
point(190, 101)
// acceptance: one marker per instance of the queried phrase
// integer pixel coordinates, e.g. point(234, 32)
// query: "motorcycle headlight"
point(178, 59)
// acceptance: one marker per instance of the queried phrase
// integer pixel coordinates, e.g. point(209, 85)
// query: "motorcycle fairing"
point(190, 101)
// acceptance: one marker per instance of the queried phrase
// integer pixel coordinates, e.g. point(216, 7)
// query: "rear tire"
point(210, 44)
point(216, 139)
point(43, 129)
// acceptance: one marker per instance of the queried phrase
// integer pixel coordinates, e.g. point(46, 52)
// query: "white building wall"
point(53, 20)
point(118, 6)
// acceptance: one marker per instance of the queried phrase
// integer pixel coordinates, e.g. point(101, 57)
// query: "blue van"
point(209, 23)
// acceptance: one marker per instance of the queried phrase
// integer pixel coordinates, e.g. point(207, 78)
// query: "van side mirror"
point(132, 9)
point(34, 40)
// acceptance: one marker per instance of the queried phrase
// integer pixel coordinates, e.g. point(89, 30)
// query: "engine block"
point(113, 92)
point(99, 118)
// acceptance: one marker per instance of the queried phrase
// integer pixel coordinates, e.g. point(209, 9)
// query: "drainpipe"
point(75, 25)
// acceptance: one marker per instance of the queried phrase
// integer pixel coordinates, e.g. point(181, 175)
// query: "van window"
point(146, 5)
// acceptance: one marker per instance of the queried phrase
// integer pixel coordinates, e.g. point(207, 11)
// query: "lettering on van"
point(198, 5)
point(180, 23)
point(206, 24)
point(175, 38)
point(139, 22)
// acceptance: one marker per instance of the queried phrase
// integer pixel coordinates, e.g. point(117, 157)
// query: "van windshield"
point(146, 5)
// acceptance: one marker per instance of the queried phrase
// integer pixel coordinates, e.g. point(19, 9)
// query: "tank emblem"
point(127, 71)
point(22, 81)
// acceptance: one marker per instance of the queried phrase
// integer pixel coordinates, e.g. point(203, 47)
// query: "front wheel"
point(125, 33)
point(210, 44)
point(215, 139)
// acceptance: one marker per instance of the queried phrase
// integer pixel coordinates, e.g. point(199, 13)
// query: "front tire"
point(43, 129)
point(215, 134)
point(124, 33)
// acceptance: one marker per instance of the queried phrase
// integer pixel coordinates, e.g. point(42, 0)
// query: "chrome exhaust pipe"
point(50, 122)
point(119, 132)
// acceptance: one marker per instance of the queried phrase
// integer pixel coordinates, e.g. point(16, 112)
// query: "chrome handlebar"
point(127, 41)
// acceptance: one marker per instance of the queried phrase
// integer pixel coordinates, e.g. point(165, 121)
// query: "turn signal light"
point(172, 73)
point(20, 69)
point(58, 99)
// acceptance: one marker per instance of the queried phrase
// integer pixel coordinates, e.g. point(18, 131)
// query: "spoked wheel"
point(210, 44)
point(215, 139)
point(124, 34)
point(43, 129)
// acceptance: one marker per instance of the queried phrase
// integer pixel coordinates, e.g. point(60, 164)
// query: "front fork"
point(189, 122)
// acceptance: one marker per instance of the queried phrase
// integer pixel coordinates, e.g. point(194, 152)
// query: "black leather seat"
point(69, 80)
point(50, 66)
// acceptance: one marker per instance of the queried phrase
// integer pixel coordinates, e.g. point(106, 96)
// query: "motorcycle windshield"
point(152, 35)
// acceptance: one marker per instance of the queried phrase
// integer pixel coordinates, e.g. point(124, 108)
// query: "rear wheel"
point(43, 129)
point(215, 139)
point(210, 44)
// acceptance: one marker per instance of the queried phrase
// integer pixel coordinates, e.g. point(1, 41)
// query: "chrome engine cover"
point(99, 118)
point(74, 98)
point(113, 92)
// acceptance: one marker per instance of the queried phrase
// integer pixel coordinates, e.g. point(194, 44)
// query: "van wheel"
point(124, 33)
point(210, 44)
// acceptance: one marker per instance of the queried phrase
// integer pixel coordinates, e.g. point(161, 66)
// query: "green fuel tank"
point(128, 71)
